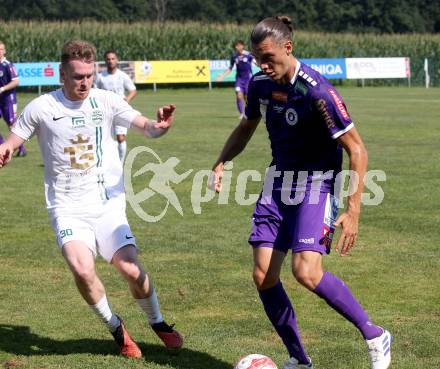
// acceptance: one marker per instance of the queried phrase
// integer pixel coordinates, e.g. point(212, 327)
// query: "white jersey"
point(118, 82)
point(82, 166)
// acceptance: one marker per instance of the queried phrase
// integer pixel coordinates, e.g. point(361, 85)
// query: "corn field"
point(42, 41)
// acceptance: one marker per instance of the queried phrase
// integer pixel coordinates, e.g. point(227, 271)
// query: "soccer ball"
point(255, 361)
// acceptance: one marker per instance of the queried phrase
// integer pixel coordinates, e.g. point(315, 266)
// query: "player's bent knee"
point(130, 270)
point(84, 275)
point(307, 277)
point(264, 280)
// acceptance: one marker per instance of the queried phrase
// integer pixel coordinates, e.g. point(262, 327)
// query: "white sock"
point(150, 306)
point(103, 311)
point(122, 149)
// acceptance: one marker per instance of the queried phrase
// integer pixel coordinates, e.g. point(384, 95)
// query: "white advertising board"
point(364, 68)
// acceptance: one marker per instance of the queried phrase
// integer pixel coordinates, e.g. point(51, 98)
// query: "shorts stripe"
point(99, 153)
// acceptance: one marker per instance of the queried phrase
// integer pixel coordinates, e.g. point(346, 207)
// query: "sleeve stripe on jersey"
point(340, 133)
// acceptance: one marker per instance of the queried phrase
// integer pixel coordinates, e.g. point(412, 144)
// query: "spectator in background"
point(242, 59)
point(8, 98)
point(114, 79)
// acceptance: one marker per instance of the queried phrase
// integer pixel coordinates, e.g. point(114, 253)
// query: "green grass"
point(201, 264)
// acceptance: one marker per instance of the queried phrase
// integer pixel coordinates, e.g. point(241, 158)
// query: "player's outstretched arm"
point(155, 128)
point(349, 220)
point(8, 147)
point(221, 76)
point(234, 145)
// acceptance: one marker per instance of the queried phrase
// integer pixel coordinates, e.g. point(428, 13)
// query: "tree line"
point(358, 16)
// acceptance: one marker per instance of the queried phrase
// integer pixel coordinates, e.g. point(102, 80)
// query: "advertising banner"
point(173, 71)
point(217, 67)
point(364, 68)
point(194, 71)
point(38, 74)
point(329, 68)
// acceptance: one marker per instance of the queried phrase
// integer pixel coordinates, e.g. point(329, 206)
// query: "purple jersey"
point(7, 74)
point(243, 62)
point(303, 119)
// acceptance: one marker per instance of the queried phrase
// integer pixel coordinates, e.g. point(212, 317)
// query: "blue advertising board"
point(329, 68)
point(38, 74)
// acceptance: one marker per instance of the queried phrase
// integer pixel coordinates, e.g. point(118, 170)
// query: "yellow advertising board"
point(171, 71)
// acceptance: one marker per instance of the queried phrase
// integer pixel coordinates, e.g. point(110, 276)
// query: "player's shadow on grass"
point(19, 340)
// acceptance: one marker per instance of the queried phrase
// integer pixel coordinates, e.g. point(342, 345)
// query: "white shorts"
point(121, 130)
point(104, 234)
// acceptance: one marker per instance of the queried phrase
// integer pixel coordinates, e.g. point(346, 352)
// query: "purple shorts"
point(307, 226)
point(8, 111)
point(241, 85)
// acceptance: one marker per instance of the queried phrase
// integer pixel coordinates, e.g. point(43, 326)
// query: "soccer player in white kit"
point(84, 185)
point(114, 79)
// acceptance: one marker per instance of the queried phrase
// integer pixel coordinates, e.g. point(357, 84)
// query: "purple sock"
point(240, 105)
point(340, 298)
point(2, 140)
point(280, 312)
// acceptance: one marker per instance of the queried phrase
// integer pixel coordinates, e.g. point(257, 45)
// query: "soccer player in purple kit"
point(243, 60)
point(8, 99)
point(308, 127)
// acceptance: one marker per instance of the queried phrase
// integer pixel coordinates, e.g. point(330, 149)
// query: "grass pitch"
point(201, 263)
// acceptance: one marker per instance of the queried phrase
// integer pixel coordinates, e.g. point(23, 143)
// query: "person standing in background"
point(8, 97)
point(243, 60)
point(114, 79)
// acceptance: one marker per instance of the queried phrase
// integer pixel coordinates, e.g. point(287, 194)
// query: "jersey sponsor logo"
point(81, 153)
point(58, 118)
point(291, 117)
point(279, 96)
point(307, 241)
point(97, 117)
point(78, 122)
point(127, 237)
point(321, 105)
point(278, 109)
point(339, 103)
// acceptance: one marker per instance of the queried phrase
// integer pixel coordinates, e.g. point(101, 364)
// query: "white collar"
point(298, 65)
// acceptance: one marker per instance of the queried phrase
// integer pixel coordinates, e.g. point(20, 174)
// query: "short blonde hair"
point(78, 50)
